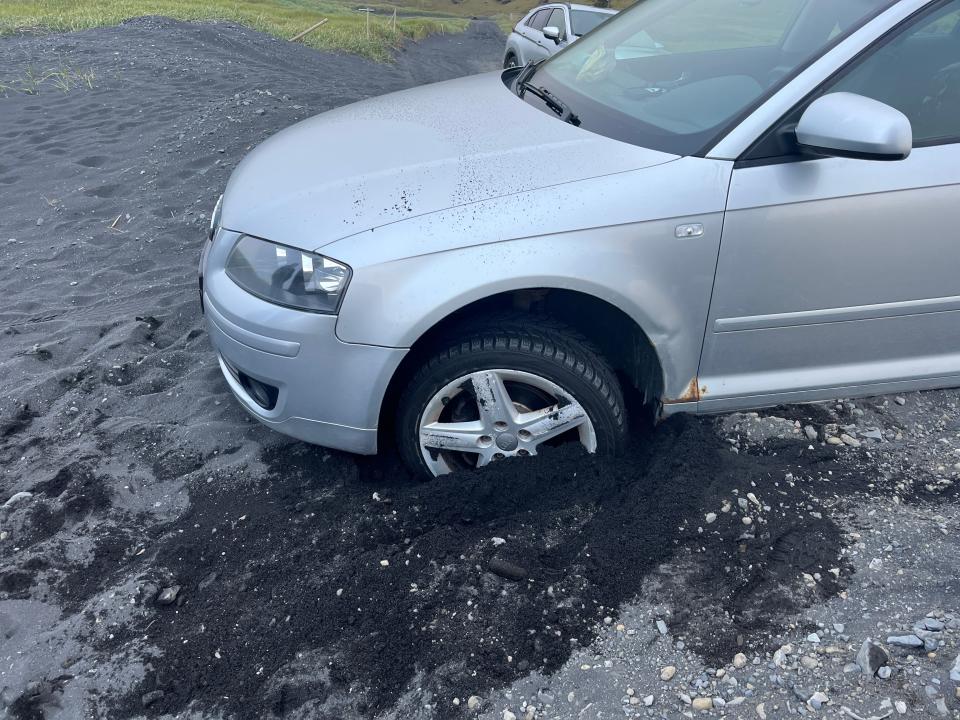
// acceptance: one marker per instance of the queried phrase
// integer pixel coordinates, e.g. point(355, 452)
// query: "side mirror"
point(551, 32)
point(849, 125)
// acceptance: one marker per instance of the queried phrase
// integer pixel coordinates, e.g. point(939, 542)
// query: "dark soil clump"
point(377, 582)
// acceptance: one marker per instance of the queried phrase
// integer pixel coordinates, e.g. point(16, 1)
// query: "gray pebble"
point(168, 595)
point(908, 641)
point(17, 497)
point(151, 697)
point(871, 657)
point(818, 700)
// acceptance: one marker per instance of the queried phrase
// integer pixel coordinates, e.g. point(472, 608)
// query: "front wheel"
point(505, 392)
point(510, 62)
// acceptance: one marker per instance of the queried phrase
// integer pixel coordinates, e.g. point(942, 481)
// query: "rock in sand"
point(818, 700)
point(18, 497)
point(872, 657)
point(151, 697)
point(907, 641)
point(506, 570)
point(168, 596)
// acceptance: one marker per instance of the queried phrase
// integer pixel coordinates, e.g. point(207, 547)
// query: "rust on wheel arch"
point(693, 392)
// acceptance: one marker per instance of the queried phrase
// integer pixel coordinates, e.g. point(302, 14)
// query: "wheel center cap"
point(507, 441)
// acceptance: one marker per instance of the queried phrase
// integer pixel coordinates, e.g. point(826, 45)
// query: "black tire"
point(510, 61)
point(524, 343)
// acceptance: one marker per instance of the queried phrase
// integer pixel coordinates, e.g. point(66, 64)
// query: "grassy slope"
point(346, 29)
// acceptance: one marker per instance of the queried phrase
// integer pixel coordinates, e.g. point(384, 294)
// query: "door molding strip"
point(843, 314)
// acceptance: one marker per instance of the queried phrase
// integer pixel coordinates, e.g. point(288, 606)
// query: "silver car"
point(547, 29)
point(709, 204)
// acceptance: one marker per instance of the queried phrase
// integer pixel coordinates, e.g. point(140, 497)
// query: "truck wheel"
point(508, 390)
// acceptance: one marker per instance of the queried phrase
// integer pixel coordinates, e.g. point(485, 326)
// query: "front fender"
point(600, 247)
point(513, 46)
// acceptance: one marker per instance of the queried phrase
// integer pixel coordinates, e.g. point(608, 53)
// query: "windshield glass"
point(671, 74)
point(583, 21)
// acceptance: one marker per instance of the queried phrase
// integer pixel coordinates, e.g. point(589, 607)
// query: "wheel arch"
point(512, 49)
point(621, 340)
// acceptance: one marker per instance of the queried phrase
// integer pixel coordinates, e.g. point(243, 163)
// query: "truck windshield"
point(671, 74)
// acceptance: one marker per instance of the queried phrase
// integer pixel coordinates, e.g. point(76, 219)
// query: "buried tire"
point(509, 390)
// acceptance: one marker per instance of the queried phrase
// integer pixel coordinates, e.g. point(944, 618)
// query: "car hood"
point(411, 153)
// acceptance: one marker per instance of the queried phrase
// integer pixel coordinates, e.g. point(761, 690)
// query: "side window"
point(558, 21)
point(918, 73)
point(539, 19)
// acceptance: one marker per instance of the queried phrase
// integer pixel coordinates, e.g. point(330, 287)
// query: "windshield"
point(583, 21)
point(671, 74)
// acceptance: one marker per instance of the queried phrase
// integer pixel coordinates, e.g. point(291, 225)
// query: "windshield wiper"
point(523, 85)
point(549, 99)
point(528, 70)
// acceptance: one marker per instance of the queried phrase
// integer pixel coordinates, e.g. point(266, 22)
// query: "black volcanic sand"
point(144, 474)
point(283, 577)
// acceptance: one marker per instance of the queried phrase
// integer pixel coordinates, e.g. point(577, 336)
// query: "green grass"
point(61, 78)
point(346, 29)
point(464, 8)
point(507, 21)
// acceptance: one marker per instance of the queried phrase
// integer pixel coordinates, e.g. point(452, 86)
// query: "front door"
point(841, 276)
point(535, 48)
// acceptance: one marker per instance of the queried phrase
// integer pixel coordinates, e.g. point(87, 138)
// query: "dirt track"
point(143, 475)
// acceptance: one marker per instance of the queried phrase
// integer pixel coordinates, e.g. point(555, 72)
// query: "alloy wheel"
point(492, 414)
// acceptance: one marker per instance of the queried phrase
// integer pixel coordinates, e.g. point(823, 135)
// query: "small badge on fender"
point(691, 230)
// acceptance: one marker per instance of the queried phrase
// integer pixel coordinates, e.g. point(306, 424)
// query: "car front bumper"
point(323, 390)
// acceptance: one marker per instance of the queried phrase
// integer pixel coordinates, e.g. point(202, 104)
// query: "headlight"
point(215, 218)
point(287, 276)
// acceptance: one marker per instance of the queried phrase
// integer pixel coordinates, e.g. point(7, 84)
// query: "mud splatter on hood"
point(411, 153)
